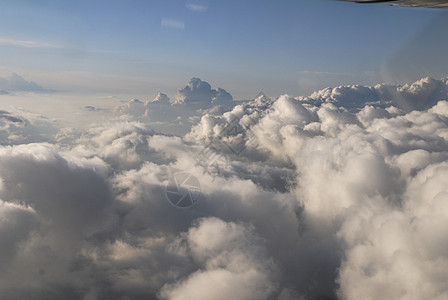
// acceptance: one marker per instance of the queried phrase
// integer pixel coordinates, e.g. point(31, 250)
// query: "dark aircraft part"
point(413, 3)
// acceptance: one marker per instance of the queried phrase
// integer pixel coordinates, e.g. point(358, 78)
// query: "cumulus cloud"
point(161, 98)
point(198, 91)
point(419, 95)
point(22, 127)
point(134, 107)
point(177, 117)
point(324, 197)
point(233, 260)
point(137, 108)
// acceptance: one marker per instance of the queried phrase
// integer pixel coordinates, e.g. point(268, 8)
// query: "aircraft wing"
point(415, 3)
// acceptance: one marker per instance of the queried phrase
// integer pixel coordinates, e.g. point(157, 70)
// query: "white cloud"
point(196, 7)
point(137, 108)
point(133, 107)
point(26, 43)
point(196, 97)
point(420, 95)
point(355, 175)
point(21, 127)
point(161, 98)
point(171, 23)
point(198, 91)
point(325, 201)
point(16, 83)
point(233, 260)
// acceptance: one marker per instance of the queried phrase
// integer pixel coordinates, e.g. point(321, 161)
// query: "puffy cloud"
point(51, 204)
point(222, 97)
point(195, 99)
point(400, 250)
point(17, 223)
point(134, 107)
point(419, 95)
point(198, 91)
point(357, 175)
point(231, 131)
point(161, 98)
point(317, 198)
point(158, 107)
point(233, 261)
point(123, 145)
point(21, 127)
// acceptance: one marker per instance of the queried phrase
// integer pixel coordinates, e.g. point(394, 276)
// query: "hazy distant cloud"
point(161, 98)
point(137, 108)
point(307, 72)
point(26, 43)
point(196, 7)
point(421, 94)
point(171, 23)
point(16, 83)
point(133, 107)
point(198, 91)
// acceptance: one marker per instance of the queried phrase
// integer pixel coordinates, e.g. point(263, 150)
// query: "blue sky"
point(138, 48)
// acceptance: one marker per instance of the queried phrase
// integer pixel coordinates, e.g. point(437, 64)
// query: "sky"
point(137, 48)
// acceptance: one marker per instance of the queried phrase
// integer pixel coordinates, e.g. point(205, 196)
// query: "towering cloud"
point(198, 91)
point(161, 98)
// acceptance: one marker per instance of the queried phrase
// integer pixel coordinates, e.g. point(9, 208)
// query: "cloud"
point(367, 161)
point(194, 99)
point(16, 83)
point(328, 198)
point(419, 95)
point(196, 7)
point(161, 98)
point(233, 260)
point(58, 209)
point(198, 91)
point(157, 109)
point(133, 107)
point(307, 72)
point(26, 43)
point(21, 127)
point(121, 144)
point(17, 222)
point(171, 23)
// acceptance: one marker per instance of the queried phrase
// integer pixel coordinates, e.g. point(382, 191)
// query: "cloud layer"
point(16, 83)
point(419, 95)
point(340, 195)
